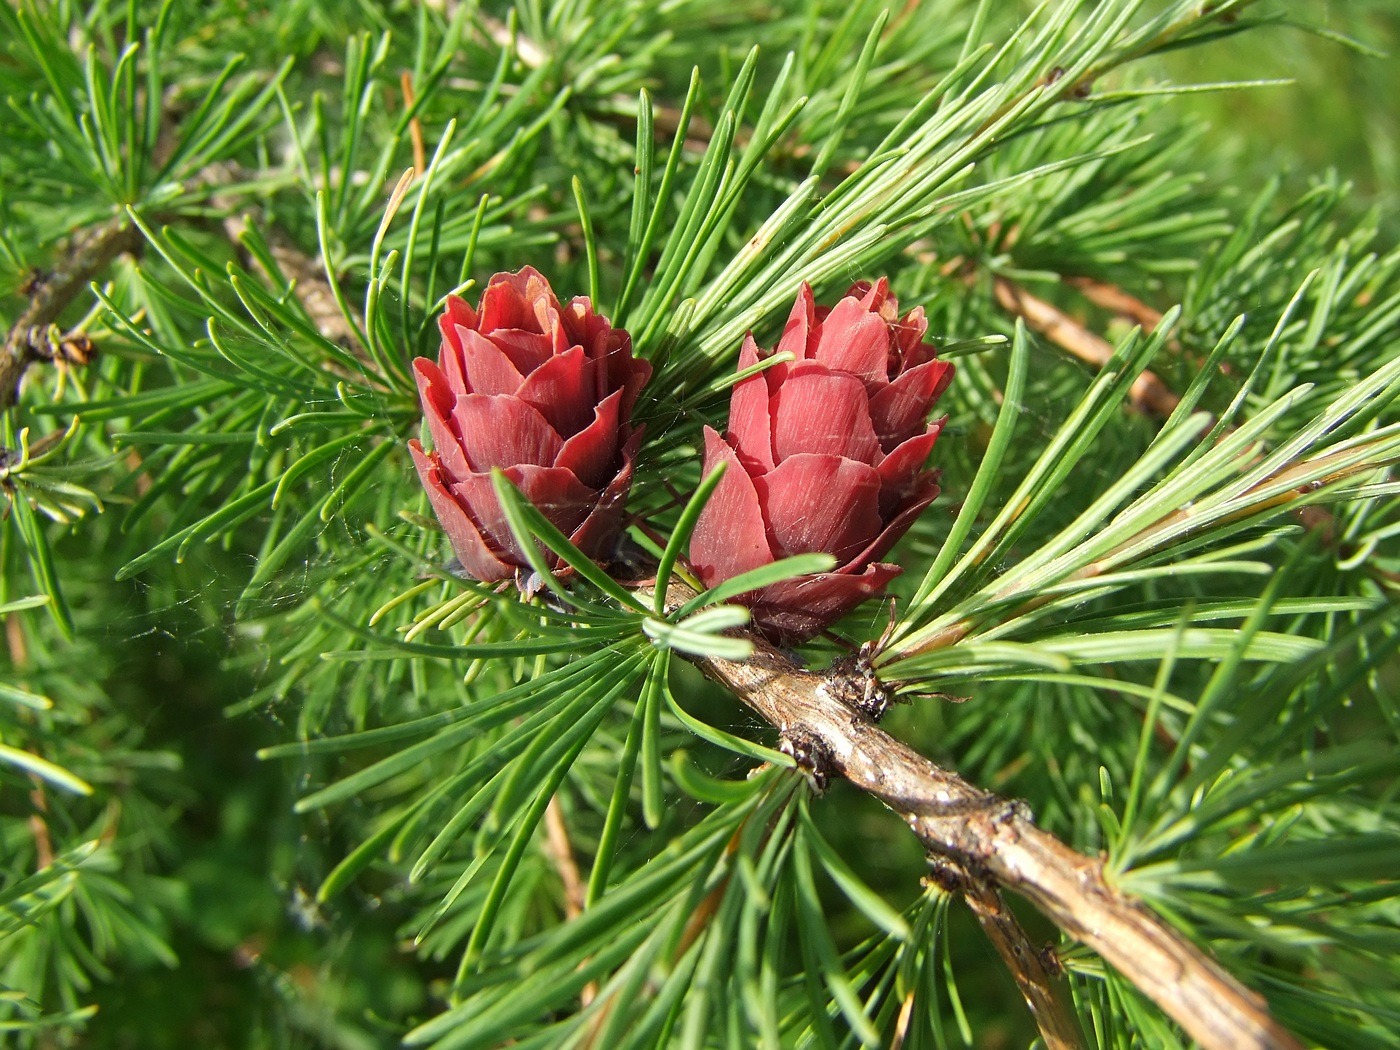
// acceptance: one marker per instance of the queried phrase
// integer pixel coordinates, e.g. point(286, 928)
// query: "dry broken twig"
point(1149, 394)
point(1115, 300)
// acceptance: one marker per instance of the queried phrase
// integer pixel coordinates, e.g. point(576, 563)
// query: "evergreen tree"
point(1122, 748)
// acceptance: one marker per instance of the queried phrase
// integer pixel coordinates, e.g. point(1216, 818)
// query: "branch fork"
point(993, 844)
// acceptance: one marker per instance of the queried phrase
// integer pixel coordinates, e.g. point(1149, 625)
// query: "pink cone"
point(543, 391)
point(825, 454)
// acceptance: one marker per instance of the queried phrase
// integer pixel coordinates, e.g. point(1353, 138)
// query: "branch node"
point(948, 875)
point(811, 755)
point(1050, 959)
point(1013, 811)
point(34, 336)
point(853, 681)
point(51, 343)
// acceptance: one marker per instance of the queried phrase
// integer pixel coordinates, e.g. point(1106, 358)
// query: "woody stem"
point(998, 843)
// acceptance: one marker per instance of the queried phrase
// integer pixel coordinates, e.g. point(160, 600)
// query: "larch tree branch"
point(30, 338)
point(987, 843)
point(997, 843)
point(978, 841)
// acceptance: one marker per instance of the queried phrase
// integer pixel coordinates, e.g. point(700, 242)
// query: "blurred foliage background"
point(1337, 113)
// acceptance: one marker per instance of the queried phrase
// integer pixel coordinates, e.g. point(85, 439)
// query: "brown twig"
point(415, 126)
point(39, 824)
point(980, 832)
point(1149, 394)
point(29, 339)
point(1115, 300)
point(901, 1023)
point(303, 272)
point(562, 854)
point(1040, 983)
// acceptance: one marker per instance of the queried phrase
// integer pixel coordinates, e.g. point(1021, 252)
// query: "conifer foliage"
point(296, 752)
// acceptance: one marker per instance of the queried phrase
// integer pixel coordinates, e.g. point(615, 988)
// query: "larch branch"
point(997, 839)
point(28, 339)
